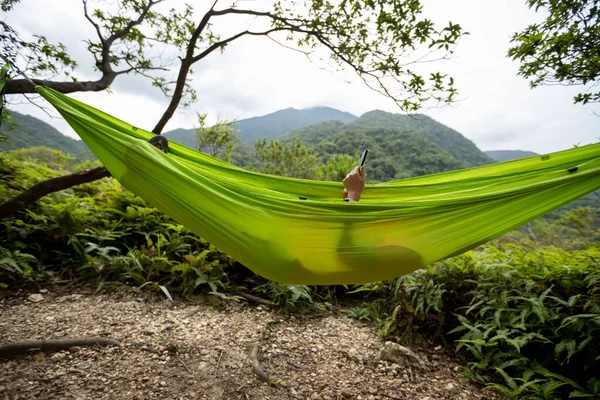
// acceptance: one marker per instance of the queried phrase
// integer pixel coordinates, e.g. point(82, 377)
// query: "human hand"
point(354, 183)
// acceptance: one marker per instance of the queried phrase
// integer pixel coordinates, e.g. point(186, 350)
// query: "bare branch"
point(96, 26)
point(223, 43)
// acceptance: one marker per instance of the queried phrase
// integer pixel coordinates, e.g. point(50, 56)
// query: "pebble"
point(35, 298)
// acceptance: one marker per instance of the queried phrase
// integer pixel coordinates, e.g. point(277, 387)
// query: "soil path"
point(186, 351)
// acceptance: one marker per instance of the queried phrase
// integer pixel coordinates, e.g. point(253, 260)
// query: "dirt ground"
point(197, 351)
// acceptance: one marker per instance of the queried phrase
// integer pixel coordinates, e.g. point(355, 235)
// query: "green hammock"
point(300, 231)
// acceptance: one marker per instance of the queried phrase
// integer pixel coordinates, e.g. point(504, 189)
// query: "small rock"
point(43, 291)
point(372, 390)
point(172, 348)
point(403, 356)
point(58, 356)
point(163, 383)
point(354, 355)
point(346, 393)
point(449, 386)
point(437, 348)
point(74, 349)
point(35, 298)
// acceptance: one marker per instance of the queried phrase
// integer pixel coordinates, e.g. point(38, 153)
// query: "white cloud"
point(255, 76)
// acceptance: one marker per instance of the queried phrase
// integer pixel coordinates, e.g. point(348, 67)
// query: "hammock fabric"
point(263, 221)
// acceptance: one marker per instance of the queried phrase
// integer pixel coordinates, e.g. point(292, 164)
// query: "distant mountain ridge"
point(506, 155)
point(445, 139)
point(32, 132)
point(426, 127)
point(400, 146)
point(271, 126)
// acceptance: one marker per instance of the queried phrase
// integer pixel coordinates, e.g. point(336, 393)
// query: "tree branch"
point(22, 86)
point(121, 34)
point(223, 43)
point(33, 194)
point(54, 345)
point(96, 26)
point(186, 63)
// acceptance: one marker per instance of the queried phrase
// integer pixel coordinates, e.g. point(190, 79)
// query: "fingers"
point(361, 171)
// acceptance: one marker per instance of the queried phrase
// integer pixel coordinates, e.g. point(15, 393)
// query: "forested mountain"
point(32, 132)
point(282, 122)
point(399, 146)
point(506, 155)
point(271, 126)
point(448, 139)
point(392, 154)
point(186, 137)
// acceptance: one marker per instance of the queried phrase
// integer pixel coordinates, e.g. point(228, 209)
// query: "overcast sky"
point(255, 76)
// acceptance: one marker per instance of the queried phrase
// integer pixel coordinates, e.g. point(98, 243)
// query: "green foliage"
point(217, 140)
point(287, 298)
point(564, 49)
point(375, 37)
point(102, 234)
point(336, 168)
point(42, 57)
point(53, 159)
point(293, 160)
point(529, 320)
point(571, 229)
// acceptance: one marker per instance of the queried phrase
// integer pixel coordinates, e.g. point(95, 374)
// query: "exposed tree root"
point(54, 345)
point(254, 356)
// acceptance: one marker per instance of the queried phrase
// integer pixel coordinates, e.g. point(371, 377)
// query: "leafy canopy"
point(564, 49)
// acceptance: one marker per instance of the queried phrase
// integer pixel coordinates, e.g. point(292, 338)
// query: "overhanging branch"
point(33, 194)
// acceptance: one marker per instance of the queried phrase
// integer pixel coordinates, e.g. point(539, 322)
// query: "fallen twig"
point(54, 345)
point(218, 362)
point(254, 299)
point(184, 365)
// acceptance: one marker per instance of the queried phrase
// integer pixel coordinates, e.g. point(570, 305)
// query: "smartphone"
point(363, 157)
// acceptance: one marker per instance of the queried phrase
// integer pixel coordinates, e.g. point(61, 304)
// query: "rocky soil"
point(199, 351)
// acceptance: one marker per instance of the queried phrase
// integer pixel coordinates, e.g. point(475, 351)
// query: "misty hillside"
point(506, 155)
point(270, 126)
point(32, 132)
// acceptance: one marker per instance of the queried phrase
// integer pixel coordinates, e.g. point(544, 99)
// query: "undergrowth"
point(525, 313)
